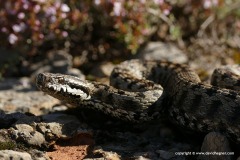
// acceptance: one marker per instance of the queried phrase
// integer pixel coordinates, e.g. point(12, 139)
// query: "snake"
point(144, 90)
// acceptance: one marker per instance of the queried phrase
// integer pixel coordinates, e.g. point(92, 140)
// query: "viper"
point(142, 90)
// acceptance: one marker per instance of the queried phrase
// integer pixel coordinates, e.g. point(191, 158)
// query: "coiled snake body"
point(137, 96)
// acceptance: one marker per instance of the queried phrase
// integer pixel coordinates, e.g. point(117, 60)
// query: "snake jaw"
point(59, 86)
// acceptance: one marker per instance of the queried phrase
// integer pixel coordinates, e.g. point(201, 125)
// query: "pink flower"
point(166, 11)
point(12, 38)
point(209, 3)
point(25, 5)
point(143, 1)
point(19, 27)
point(16, 28)
point(57, 4)
point(97, 2)
point(63, 15)
point(65, 8)
point(37, 22)
point(37, 8)
point(117, 7)
point(21, 15)
point(158, 1)
point(146, 31)
point(4, 29)
point(51, 11)
point(64, 34)
point(41, 36)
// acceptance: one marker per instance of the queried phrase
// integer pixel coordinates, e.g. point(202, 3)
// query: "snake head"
point(63, 87)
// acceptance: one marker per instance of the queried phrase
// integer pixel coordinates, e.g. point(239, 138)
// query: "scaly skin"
point(191, 104)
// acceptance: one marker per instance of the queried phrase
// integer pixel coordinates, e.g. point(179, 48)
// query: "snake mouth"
point(60, 86)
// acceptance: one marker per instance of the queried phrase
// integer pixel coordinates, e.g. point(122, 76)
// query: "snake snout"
point(40, 79)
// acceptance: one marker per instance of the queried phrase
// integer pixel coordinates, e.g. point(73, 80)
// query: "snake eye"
point(61, 80)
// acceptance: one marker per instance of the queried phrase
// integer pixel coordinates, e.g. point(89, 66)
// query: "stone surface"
point(6, 141)
point(108, 154)
point(27, 134)
point(45, 130)
point(34, 102)
point(60, 125)
point(14, 155)
point(59, 61)
point(162, 51)
point(103, 69)
point(215, 142)
point(38, 155)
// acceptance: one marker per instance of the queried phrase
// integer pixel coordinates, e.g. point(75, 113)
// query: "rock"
point(38, 155)
point(27, 134)
point(60, 125)
point(215, 142)
point(103, 69)
point(162, 51)
point(6, 143)
point(34, 102)
point(14, 155)
point(224, 77)
point(44, 131)
point(24, 130)
point(107, 154)
point(59, 61)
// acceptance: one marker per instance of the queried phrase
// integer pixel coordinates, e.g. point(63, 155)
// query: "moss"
point(7, 145)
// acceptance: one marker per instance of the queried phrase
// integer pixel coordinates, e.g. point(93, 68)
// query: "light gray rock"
point(57, 61)
point(34, 102)
point(162, 51)
point(14, 155)
point(42, 131)
point(26, 133)
point(102, 69)
point(60, 125)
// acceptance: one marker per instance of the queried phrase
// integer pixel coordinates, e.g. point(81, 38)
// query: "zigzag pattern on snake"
point(138, 96)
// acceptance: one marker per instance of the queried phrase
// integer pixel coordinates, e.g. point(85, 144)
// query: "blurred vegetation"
point(100, 29)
